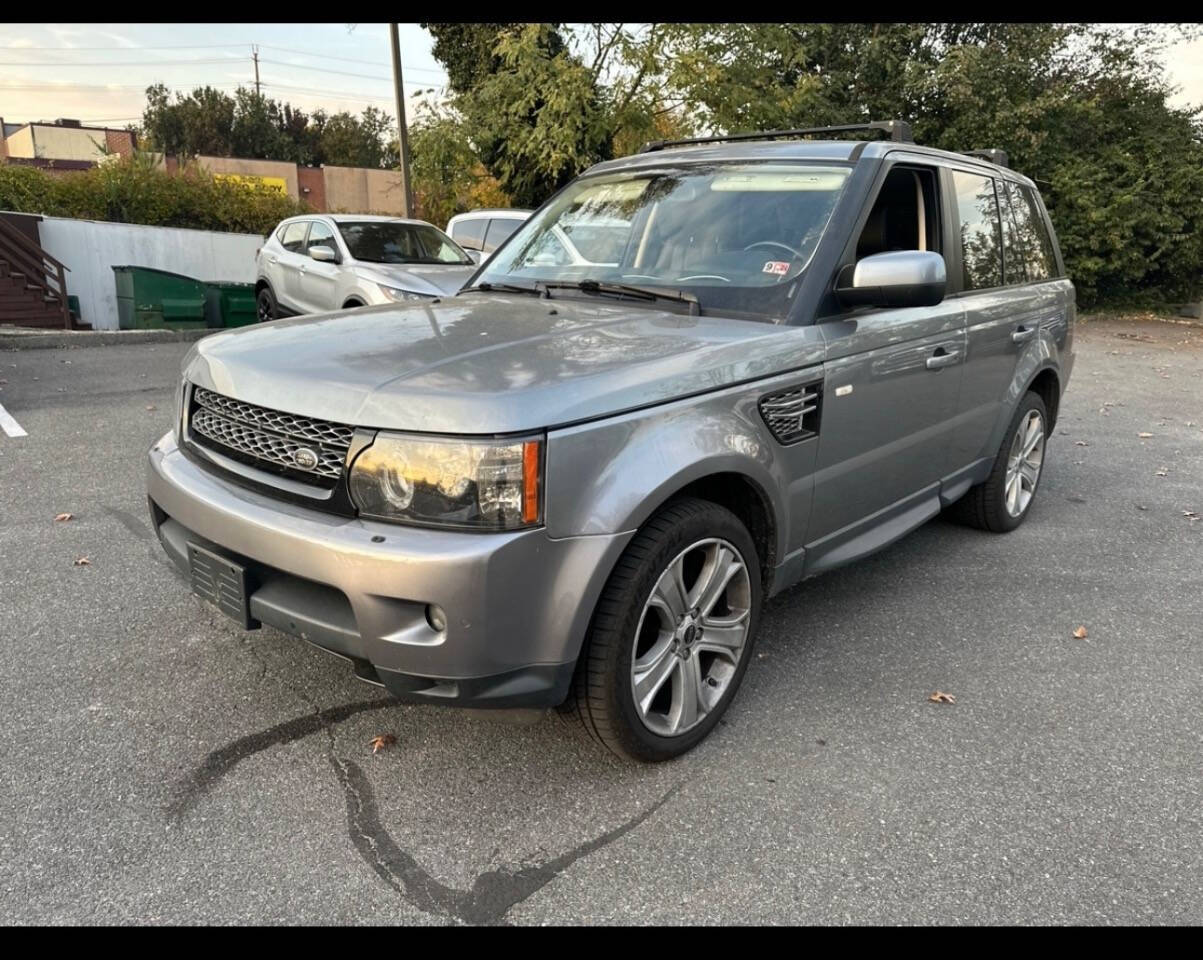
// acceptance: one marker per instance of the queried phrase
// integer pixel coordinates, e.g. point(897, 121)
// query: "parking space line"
point(11, 427)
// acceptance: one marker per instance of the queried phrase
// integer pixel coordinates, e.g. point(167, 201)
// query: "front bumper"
point(517, 605)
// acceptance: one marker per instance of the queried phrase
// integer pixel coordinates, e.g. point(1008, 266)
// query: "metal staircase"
point(33, 285)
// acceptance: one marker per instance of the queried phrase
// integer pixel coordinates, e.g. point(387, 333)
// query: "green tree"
point(541, 102)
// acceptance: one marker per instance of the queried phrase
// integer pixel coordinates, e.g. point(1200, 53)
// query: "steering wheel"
point(703, 276)
point(774, 243)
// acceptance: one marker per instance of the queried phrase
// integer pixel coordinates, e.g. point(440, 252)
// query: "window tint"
point(981, 232)
point(470, 233)
point(1014, 259)
point(499, 231)
point(387, 241)
point(320, 235)
point(1034, 241)
point(292, 237)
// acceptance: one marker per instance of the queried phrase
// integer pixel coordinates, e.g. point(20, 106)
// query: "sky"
point(98, 73)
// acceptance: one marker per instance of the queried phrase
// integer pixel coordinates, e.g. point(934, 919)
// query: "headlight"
point(481, 484)
point(397, 295)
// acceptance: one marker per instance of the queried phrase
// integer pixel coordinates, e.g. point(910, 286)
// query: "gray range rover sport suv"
point(694, 377)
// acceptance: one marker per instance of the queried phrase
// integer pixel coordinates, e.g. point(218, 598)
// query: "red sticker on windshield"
point(779, 267)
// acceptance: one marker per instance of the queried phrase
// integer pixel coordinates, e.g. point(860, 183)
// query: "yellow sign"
point(279, 184)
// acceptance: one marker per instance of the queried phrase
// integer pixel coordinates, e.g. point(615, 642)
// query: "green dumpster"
point(229, 304)
point(148, 298)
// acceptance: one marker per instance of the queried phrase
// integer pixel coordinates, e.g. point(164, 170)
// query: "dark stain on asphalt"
point(493, 893)
point(221, 761)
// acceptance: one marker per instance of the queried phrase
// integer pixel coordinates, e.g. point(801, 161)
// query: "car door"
point(288, 265)
point(1008, 303)
point(319, 281)
point(892, 380)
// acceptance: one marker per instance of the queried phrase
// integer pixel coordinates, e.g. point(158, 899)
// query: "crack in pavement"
point(493, 893)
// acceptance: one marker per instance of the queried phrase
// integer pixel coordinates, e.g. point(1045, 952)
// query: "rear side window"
point(470, 233)
point(1032, 236)
point(292, 236)
point(500, 230)
point(981, 230)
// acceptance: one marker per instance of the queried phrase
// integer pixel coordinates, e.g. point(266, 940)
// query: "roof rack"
point(899, 130)
point(998, 157)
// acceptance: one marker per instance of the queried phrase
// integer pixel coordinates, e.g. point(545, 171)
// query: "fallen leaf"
point(1144, 436)
point(1081, 443)
point(151, 407)
point(64, 516)
point(1080, 633)
point(82, 562)
point(941, 697)
point(382, 741)
point(1190, 515)
point(1162, 473)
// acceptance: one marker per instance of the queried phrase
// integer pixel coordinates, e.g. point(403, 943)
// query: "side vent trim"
point(793, 415)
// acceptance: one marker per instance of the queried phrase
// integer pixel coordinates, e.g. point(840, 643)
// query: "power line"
point(178, 46)
point(327, 56)
point(345, 73)
point(119, 63)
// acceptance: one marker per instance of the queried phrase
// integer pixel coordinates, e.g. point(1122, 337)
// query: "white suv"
point(480, 232)
point(322, 262)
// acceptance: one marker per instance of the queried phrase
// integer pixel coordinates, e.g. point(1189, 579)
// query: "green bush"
point(136, 190)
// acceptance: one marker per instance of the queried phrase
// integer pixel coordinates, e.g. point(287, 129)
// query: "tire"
point(265, 306)
point(629, 626)
point(986, 505)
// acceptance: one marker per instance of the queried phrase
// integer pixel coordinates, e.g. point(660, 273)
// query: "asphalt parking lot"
point(160, 766)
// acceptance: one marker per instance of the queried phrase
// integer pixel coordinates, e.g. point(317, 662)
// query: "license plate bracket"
point(222, 582)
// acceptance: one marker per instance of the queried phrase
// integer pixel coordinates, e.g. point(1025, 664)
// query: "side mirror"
point(473, 255)
point(902, 278)
point(324, 253)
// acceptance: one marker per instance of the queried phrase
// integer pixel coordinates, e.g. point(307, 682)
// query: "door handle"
point(1023, 334)
point(940, 359)
point(274, 260)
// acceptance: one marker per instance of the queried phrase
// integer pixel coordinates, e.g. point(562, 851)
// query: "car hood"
point(490, 363)
point(432, 279)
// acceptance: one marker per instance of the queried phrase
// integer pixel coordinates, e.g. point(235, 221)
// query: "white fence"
point(90, 249)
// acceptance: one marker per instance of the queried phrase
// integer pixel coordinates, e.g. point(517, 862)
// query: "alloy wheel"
point(691, 636)
point(1024, 463)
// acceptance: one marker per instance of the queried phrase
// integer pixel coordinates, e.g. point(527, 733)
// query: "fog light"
point(436, 618)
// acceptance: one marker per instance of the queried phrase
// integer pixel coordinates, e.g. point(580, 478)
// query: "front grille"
point(793, 414)
point(270, 439)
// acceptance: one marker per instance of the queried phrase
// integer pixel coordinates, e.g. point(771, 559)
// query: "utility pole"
point(407, 197)
point(255, 57)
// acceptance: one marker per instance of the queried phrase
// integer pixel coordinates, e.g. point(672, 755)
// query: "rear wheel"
point(1001, 502)
point(672, 633)
point(265, 305)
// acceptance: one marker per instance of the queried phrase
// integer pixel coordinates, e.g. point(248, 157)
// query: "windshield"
point(381, 241)
point(735, 235)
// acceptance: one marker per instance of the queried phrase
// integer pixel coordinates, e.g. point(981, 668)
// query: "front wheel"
point(1001, 502)
point(672, 634)
point(265, 305)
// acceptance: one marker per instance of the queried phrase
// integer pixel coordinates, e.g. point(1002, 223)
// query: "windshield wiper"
point(629, 290)
point(487, 286)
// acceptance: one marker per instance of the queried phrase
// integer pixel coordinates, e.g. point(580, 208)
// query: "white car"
point(322, 262)
point(480, 232)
